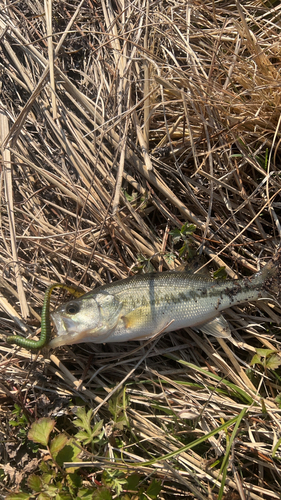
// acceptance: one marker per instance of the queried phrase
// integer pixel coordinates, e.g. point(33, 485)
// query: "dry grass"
point(119, 122)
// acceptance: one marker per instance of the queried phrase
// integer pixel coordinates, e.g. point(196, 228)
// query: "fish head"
point(90, 318)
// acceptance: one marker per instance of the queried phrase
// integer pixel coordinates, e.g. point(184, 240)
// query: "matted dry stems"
point(119, 122)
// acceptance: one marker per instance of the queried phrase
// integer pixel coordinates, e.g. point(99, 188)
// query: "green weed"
point(54, 482)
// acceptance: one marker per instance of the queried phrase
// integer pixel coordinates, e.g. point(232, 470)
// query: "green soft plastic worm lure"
point(45, 320)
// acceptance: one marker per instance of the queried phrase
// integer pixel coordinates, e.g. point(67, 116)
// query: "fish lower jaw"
point(95, 335)
point(67, 339)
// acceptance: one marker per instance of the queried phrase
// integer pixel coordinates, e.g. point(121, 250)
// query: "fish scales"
point(140, 306)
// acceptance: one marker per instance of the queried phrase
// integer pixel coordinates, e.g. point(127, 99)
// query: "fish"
point(139, 307)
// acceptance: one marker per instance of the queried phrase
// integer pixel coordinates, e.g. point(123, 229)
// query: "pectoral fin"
point(140, 324)
point(136, 318)
point(218, 328)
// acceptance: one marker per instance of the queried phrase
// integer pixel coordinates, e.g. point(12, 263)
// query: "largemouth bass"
point(140, 306)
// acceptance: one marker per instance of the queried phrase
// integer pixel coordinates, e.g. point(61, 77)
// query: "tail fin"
point(271, 275)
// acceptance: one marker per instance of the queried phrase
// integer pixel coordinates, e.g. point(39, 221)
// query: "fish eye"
point(72, 308)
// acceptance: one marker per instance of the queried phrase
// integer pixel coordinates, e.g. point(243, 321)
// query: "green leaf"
point(43, 466)
point(18, 496)
point(183, 249)
point(47, 477)
point(176, 235)
point(58, 443)
point(69, 453)
point(187, 229)
point(220, 274)
point(86, 493)
point(102, 494)
point(87, 437)
point(13, 423)
point(154, 489)
point(83, 419)
point(44, 496)
point(265, 352)
point(121, 422)
point(17, 410)
point(40, 431)
point(52, 489)
point(63, 496)
point(273, 362)
point(277, 445)
point(74, 481)
point(278, 400)
point(225, 461)
point(133, 482)
point(97, 429)
point(34, 482)
point(83, 437)
point(256, 360)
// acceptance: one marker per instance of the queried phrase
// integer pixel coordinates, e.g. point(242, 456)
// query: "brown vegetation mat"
point(121, 121)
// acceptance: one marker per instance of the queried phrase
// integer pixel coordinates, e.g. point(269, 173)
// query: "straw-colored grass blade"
point(9, 195)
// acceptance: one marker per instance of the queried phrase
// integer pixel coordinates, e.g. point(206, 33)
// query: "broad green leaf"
point(133, 481)
point(40, 431)
point(154, 489)
point(44, 496)
point(102, 494)
point(85, 494)
point(52, 489)
point(18, 496)
point(43, 466)
point(47, 477)
point(58, 443)
point(69, 453)
point(34, 482)
point(74, 481)
point(265, 352)
point(273, 362)
point(256, 360)
point(63, 496)
point(13, 423)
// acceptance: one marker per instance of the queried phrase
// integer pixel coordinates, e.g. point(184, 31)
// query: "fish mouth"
point(63, 325)
point(66, 332)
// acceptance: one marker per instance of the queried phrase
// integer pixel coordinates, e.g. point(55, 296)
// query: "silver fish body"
point(141, 306)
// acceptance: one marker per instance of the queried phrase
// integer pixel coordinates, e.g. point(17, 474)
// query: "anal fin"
point(218, 328)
